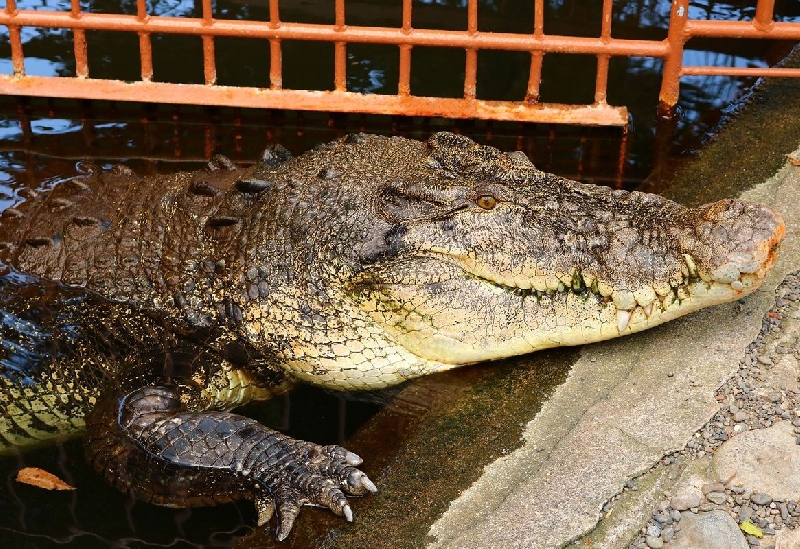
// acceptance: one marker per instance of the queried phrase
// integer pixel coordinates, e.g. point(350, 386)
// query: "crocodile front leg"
point(146, 442)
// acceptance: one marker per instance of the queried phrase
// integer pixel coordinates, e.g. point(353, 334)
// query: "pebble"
point(741, 416)
point(654, 542)
point(663, 518)
point(653, 531)
point(712, 487)
point(716, 497)
point(760, 498)
point(713, 530)
point(685, 501)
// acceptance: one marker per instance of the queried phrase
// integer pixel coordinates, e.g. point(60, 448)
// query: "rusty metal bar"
point(673, 60)
point(340, 50)
point(199, 94)
point(14, 37)
point(537, 56)
point(328, 33)
point(765, 11)
point(537, 45)
point(601, 82)
point(783, 30)
point(275, 65)
point(471, 74)
point(404, 82)
point(740, 71)
point(79, 43)
point(471, 68)
point(404, 79)
point(209, 62)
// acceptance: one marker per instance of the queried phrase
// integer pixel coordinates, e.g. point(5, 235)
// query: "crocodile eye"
point(487, 202)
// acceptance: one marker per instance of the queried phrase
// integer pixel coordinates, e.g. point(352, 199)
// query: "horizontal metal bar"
point(740, 71)
point(779, 30)
point(334, 101)
point(330, 33)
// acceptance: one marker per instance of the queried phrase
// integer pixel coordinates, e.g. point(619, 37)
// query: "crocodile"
point(142, 310)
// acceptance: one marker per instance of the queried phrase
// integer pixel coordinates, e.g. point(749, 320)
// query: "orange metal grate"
point(405, 38)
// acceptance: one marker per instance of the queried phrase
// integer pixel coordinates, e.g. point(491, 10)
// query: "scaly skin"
point(364, 263)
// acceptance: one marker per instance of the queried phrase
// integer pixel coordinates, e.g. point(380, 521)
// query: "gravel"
point(749, 400)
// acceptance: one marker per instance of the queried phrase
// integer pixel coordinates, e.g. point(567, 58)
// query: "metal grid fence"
point(405, 38)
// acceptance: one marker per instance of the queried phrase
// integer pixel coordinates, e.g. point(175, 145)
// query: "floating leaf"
point(42, 479)
point(792, 160)
point(749, 528)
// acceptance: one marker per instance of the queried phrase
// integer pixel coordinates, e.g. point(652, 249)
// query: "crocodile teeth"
point(648, 309)
point(623, 317)
point(737, 285)
point(691, 266)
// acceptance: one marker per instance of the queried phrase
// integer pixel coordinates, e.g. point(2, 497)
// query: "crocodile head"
point(477, 255)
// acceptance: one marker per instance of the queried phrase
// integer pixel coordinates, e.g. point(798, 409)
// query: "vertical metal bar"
point(15, 39)
point(404, 79)
point(605, 30)
point(17, 55)
point(601, 83)
point(339, 14)
point(209, 63)
point(340, 51)
point(537, 56)
point(145, 46)
point(404, 83)
point(79, 43)
point(673, 62)
point(274, 14)
point(275, 54)
point(472, 17)
point(81, 53)
point(406, 16)
point(275, 65)
point(765, 10)
point(538, 18)
point(340, 66)
point(471, 73)
point(471, 70)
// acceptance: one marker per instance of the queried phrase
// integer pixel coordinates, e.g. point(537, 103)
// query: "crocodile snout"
point(740, 239)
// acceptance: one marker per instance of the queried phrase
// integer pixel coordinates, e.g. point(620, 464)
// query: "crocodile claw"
point(323, 476)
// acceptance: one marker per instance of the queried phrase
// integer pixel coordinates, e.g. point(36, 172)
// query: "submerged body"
point(148, 307)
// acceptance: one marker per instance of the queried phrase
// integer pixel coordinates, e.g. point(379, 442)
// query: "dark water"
point(41, 140)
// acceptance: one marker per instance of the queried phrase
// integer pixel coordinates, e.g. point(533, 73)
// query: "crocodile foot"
point(325, 476)
point(147, 443)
